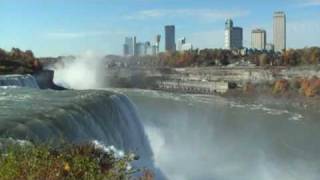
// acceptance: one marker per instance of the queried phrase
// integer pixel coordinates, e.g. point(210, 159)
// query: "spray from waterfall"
point(85, 71)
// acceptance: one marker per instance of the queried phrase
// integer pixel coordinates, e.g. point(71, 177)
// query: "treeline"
point(222, 57)
point(17, 61)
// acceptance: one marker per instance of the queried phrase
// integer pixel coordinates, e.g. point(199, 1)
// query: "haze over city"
point(71, 27)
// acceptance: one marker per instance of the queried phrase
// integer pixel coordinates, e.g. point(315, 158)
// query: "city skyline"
point(52, 28)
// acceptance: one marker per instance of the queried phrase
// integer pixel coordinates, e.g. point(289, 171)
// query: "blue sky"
point(63, 27)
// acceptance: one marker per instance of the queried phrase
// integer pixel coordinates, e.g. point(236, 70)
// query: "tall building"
point(258, 39)
point(279, 31)
point(155, 50)
point(157, 44)
point(237, 38)
point(140, 49)
point(126, 50)
point(170, 45)
point(129, 47)
point(269, 47)
point(233, 36)
point(180, 43)
point(147, 48)
point(187, 47)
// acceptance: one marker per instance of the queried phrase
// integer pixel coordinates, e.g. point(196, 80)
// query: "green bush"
point(70, 162)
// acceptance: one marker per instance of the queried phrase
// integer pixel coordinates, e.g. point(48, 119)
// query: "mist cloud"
point(84, 72)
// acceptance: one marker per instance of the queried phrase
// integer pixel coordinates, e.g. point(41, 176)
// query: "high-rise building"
point(170, 45)
point(269, 47)
point(237, 38)
point(126, 50)
point(258, 39)
point(187, 47)
point(157, 44)
point(129, 47)
point(279, 31)
point(154, 50)
point(147, 48)
point(233, 36)
point(180, 43)
point(140, 49)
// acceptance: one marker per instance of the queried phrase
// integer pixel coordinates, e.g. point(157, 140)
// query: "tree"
point(3, 54)
point(315, 56)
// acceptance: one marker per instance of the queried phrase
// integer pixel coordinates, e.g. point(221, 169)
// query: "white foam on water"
point(272, 111)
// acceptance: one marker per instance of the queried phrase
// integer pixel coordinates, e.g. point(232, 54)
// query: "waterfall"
point(18, 80)
point(75, 116)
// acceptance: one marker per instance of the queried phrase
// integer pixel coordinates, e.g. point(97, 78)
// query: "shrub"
point(310, 87)
point(280, 86)
point(71, 162)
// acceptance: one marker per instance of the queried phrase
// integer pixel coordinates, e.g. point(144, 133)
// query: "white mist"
point(85, 72)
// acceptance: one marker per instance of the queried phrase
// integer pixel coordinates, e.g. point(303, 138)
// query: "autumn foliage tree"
point(223, 57)
point(18, 62)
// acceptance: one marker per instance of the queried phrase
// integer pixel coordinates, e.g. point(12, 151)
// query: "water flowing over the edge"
point(18, 80)
point(75, 116)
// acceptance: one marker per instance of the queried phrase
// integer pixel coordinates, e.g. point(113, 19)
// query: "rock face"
point(44, 79)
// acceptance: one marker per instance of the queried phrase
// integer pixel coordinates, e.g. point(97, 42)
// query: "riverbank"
point(294, 85)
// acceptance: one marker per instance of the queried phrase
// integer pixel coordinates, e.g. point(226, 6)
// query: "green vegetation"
point(71, 162)
point(18, 62)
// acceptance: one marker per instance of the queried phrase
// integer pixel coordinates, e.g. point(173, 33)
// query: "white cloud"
point(205, 14)
point(310, 2)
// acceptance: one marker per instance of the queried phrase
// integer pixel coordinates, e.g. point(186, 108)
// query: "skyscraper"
point(186, 47)
point(126, 50)
point(183, 45)
point(258, 39)
point(279, 31)
point(156, 46)
point(181, 42)
point(140, 49)
point(233, 36)
point(129, 47)
point(147, 48)
point(170, 45)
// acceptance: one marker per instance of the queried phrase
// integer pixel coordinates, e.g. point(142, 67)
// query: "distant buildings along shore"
point(133, 48)
point(233, 39)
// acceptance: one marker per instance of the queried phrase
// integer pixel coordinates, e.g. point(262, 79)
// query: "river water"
point(197, 137)
point(187, 137)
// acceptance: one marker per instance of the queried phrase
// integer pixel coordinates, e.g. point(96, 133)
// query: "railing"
point(193, 87)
